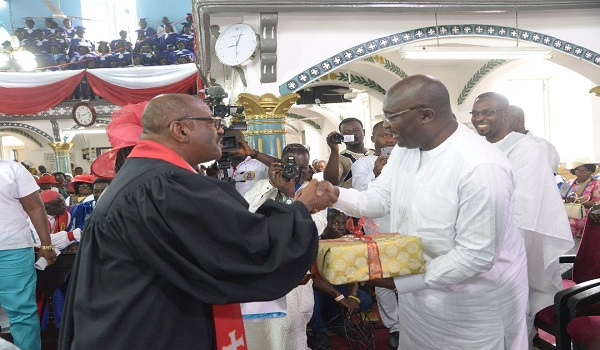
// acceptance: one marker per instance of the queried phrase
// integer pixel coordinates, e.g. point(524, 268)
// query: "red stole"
point(229, 327)
point(60, 223)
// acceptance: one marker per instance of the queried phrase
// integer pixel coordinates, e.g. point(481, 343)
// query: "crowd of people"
point(153, 245)
point(64, 47)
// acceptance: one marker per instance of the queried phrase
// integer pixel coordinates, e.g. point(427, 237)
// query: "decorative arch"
point(42, 133)
point(24, 134)
point(424, 33)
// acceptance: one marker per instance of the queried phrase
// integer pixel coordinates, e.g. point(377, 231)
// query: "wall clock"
point(236, 45)
point(84, 114)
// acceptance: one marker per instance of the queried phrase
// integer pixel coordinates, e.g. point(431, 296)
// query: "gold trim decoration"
point(61, 146)
point(264, 132)
point(256, 122)
point(267, 106)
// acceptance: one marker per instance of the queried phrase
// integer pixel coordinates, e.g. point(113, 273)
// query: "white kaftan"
point(551, 153)
point(362, 176)
point(459, 199)
point(540, 216)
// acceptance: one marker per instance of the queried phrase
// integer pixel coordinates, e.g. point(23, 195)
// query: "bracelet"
point(339, 297)
point(48, 247)
point(355, 298)
point(256, 153)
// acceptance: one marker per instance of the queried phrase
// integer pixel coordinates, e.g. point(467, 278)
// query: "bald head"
point(421, 90)
point(184, 124)
point(517, 119)
point(164, 109)
point(418, 112)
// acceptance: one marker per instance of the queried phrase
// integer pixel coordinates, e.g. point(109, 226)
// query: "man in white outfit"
point(517, 124)
point(539, 212)
point(364, 171)
point(449, 187)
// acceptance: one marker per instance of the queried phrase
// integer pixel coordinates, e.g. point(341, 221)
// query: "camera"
point(290, 169)
point(214, 98)
point(229, 143)
point(339, 138)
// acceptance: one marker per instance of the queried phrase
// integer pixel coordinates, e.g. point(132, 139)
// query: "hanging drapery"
point(29, 93)
point(138, 84)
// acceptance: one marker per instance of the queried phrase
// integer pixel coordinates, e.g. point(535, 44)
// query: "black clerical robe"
point(163, 244)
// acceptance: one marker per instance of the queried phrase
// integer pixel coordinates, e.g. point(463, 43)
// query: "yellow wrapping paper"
point(346, 259)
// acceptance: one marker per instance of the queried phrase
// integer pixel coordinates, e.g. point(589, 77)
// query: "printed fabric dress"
point(589, 189)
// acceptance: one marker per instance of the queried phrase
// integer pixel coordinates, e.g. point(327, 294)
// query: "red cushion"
point(585, 329)
point(546, 315)
point(568, 284)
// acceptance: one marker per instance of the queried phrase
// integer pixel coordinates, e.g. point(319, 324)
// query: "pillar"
point(265, 116)
point(61, 152)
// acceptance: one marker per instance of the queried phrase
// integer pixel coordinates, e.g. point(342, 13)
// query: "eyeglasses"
point(391, 117)
point(486, 112)
point(216, 121)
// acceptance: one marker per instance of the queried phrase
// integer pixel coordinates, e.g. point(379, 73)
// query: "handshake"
point(317, 196)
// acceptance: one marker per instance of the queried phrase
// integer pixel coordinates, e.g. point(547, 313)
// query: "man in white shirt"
point(449, 187)
point(517, 124)
point(364, 171)
point(539, 211)
point(248, 166)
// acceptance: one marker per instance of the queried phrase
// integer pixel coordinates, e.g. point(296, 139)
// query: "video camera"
point(214, 98)
point(339, 138)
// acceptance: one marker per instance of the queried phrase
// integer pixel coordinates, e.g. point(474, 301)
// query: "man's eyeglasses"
point(216, 121)
point(486, 112)
point(390, 117)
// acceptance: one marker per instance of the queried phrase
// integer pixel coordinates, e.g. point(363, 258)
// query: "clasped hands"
point(317, 196)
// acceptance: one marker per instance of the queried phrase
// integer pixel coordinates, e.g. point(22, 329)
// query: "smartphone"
point(386, 151)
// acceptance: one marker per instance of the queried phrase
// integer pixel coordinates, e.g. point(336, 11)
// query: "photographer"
point(286, 177)
point(247, 165)
point(338, 169)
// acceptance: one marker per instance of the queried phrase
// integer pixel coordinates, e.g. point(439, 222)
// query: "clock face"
point(84, 114)
point(236, 45)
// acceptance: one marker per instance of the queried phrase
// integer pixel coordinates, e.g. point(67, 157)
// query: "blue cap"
point(79, 28)
point(188, 15)
point(122, 31)
point(186, 24)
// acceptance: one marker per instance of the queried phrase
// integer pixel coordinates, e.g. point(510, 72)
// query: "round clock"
point(236, 45)
point(84, 114)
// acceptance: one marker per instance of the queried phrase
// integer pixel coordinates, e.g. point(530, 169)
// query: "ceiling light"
point(474, 53)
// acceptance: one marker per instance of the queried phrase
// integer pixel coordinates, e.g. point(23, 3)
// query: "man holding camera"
point(286, 177)
point(338, 170)
point(247, 166)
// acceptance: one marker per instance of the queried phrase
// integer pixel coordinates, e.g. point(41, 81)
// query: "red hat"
point(87, 178)
point(124, 130)
point(49, 195)
point(47, 179)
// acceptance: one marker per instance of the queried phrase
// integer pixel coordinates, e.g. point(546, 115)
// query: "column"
point(61, 152)
point(265, 116)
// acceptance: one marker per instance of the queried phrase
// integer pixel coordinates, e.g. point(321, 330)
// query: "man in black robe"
point(164, 244)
